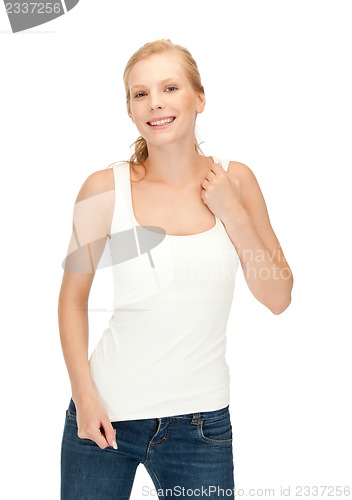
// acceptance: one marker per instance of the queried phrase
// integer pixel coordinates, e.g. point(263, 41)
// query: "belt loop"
point(196, 420)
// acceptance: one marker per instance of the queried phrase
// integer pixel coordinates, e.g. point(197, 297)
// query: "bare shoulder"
point(251, 193)
point(99, 182)
point(246, 177)
point(241, 171)
point(94, 206)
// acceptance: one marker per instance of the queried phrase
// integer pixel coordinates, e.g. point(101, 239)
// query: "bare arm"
point(73, 326)
point(236, 198)
point(265, 268)
point(91, 224)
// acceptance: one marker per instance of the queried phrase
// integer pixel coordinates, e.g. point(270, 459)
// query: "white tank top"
point(164, 352)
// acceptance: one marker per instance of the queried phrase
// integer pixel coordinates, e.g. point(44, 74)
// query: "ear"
point(200, 102)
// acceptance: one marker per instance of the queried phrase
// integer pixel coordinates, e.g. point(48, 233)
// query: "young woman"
point(178, 224)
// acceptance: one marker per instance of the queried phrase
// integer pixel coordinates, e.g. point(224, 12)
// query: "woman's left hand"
point(221, 192)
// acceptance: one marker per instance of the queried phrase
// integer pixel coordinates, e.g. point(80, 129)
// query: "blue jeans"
point(186, 456)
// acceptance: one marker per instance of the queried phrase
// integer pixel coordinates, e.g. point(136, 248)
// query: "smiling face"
point(163, 104)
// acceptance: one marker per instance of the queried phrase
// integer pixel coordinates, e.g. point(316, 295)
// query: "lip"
point(161, 118)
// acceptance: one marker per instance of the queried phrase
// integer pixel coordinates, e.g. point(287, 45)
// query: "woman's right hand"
point(94, 424)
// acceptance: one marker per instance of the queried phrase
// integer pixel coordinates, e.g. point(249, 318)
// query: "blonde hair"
point(140, 152)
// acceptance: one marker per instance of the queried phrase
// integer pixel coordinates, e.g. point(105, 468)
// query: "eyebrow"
point(172, 79)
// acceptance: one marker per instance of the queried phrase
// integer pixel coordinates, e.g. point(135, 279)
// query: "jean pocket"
point(216, 431)
point(71, 412)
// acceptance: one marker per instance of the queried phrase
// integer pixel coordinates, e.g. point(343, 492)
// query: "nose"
point(156, 102)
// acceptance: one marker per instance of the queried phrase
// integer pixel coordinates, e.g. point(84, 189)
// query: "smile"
point(162, 121)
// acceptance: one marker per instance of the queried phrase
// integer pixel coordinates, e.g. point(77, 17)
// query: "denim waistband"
point(196, 417)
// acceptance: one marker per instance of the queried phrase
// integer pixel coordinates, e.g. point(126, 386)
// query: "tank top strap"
point(122, 217)
point(223, 163)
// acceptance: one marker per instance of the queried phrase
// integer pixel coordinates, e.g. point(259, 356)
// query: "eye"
point(139, 95)
point(171, 88)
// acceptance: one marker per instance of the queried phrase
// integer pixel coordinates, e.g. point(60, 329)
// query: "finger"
point(216, 168)
point(109, 433)
point(95, 436)
point(100, 439)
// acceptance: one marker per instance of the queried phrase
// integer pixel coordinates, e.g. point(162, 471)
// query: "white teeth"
point(162, 122)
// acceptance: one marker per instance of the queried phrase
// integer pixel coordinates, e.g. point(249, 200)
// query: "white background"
point(277, 76)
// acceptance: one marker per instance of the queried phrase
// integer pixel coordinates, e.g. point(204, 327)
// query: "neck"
point(174, 165)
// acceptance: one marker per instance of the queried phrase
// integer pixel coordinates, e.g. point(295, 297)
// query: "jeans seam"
point(220, 442)
point(149, 468)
